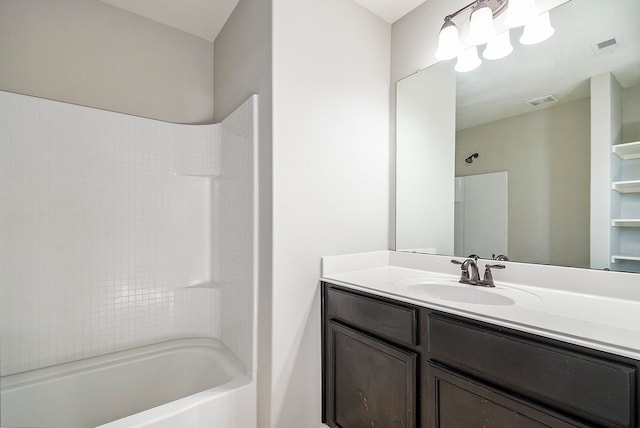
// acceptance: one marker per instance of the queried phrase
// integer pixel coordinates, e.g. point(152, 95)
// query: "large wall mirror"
point(516, 157)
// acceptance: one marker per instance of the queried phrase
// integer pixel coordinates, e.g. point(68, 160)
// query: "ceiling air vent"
point(607, 46)
point(547, 99)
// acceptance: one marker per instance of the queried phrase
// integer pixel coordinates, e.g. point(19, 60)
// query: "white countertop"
point(599, 310)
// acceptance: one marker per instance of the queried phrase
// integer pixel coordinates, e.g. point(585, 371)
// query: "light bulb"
point(448, 42)
point(520, 12)
point(468, 60)
point(498, 47)
point(538, 30)
point(481, 26)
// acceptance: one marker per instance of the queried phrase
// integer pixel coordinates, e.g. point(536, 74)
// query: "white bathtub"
point(178, 383)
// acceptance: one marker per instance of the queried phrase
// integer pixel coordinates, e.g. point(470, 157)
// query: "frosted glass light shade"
point(468, 60)
point(520, 12)
point(498, 47)
point(481, 26)
point(538, 30)
point(448, 42)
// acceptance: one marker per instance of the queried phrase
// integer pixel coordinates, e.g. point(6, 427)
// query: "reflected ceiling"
point(561, 65)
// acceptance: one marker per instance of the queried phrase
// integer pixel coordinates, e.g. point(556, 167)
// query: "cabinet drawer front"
point(392, 321)
point(598, 390)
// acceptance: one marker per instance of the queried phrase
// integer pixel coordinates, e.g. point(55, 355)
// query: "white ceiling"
point(205, 18)
point(390, 10)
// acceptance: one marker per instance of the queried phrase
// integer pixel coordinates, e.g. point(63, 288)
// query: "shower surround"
point(119, 231)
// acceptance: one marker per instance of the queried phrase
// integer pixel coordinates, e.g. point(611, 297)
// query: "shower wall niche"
point(112, 228)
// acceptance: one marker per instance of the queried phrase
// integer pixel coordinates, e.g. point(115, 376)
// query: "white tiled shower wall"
point(235, 228)
point(95, 231)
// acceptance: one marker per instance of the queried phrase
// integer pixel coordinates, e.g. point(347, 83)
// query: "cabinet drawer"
point(393, 321)
point(600, 391)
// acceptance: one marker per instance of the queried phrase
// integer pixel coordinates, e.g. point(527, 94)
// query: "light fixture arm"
point(459, 11)
point(497, 9)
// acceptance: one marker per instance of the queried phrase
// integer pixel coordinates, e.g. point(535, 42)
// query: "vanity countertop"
point(599, 310)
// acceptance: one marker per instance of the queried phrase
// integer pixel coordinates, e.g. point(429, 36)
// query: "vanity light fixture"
point(538, 30)
point(498, 47)
point(481, 24)
point(449, 41)
point(481, 31)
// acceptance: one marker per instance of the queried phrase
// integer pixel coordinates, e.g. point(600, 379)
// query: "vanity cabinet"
point(370, 361)
point(388, 363)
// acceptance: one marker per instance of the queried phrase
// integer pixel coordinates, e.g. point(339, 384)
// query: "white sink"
point(446, 288)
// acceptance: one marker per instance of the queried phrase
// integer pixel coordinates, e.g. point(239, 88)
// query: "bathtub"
point(178, 383)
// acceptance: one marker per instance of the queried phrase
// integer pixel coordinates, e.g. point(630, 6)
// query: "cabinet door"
point(370, 383)
point(458, 402)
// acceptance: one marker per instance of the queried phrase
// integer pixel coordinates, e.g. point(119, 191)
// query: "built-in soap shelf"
point(183, 174)
point(627, 150)
point(211, 284)
point(628, 186)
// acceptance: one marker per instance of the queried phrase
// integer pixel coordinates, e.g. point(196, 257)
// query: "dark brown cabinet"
point(370, 361)
point(385, 399)
point(600, 391)
point(391, 364)
point(460, 402)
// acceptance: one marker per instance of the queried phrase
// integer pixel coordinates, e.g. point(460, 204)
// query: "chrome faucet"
point(470, 274)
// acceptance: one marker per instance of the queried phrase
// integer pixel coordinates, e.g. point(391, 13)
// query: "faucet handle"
point(464, 275)
point(494, 266)
point(487, 281)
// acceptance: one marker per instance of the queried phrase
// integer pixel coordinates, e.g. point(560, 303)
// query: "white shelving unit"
point(627, 150)
point(629, 186)
point(619, 257)
point(625, 222)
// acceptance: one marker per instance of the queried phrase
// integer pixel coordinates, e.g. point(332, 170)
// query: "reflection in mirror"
point(542, 122)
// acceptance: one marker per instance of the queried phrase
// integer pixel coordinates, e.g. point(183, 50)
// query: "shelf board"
point(627, 150)
point(625, 222)
point(631, 186)
point(619, 257)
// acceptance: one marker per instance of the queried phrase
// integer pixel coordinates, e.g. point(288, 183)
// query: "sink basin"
point(451, 290)
point(462, 294)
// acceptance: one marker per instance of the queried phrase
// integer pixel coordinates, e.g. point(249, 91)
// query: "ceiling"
point(205, 18)
point(390, 10)
point(202, 18)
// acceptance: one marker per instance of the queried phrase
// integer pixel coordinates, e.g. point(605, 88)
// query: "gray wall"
point(242, 57)
point(96, 55)
point(547, 155)
point(631, 114)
